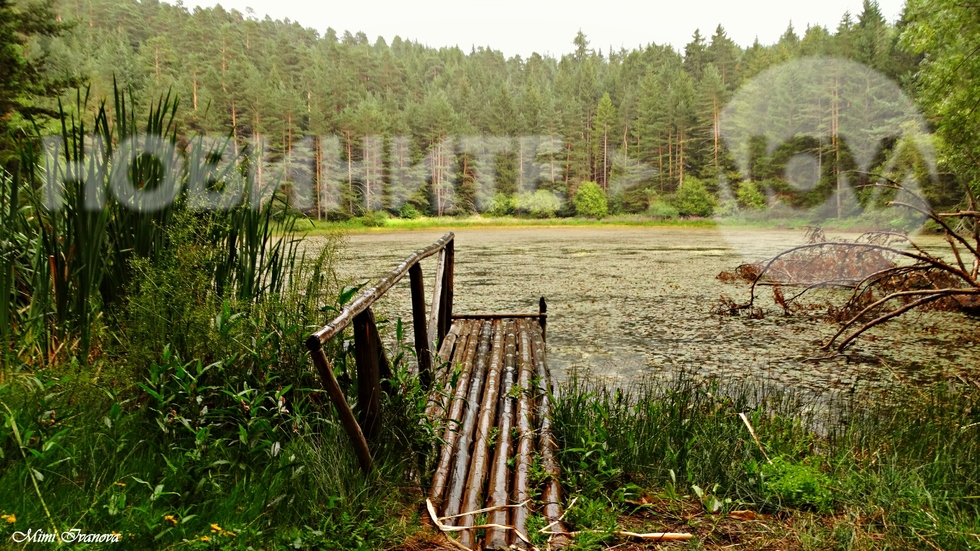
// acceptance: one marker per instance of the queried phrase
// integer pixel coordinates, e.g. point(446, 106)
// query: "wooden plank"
point(480, 463)
point(499, 485)
point(347, 418)
point(547, 447)
point(525, 428)
point(464, 442)
point(419, 326)
point(367, 298)
point(451, 433)
point(371, 363)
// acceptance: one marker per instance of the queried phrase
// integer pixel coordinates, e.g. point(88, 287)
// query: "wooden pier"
point(490, 397)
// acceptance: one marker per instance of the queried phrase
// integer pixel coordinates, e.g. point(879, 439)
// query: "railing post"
point(446, 304)
point(347, 419)
point(419, 324)
point(371, 362)
point(438, 294)
point(543, 318)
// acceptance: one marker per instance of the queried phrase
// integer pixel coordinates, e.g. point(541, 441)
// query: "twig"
point(447, 529)
point(748, 425)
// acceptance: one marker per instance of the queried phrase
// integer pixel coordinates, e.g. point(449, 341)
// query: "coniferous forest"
point(397, 116)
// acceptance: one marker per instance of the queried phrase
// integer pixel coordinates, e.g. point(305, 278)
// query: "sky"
point(518, 27)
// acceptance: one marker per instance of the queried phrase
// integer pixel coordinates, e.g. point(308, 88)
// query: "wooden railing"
point(372, 365)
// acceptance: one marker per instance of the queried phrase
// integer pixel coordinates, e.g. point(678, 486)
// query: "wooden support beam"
point(371, 364)
point(493, 316)
point(347, 419)
point(419, 325)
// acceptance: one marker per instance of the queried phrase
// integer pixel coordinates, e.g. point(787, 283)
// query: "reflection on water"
point(629, 302)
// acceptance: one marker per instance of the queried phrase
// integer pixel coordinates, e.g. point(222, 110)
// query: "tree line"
point(638, 122)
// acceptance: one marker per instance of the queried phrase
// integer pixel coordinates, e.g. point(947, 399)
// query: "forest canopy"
point(637, 122)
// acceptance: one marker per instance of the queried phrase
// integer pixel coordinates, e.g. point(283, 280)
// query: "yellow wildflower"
point(171, 519)
point(11, 518)
point(216, 528)
point(121, 484)
point(117, 535)
point(205, 538)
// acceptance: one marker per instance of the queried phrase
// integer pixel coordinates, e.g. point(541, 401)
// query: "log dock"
point(490, 399)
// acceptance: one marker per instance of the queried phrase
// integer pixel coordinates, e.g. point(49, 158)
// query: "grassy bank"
point(374, 223)
point(901, 475)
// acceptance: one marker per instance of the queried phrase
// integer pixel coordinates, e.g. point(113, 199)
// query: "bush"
point(540, 204)
point(409, 212)
point(590, 201)
point(502, 205)
point(693, 199)
point(375, 219)
point(662, 209)
point(750, 197)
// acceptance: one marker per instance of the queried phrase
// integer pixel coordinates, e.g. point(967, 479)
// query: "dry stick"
point(481, 453)
point(925, 259)
point(890, 315)
point(500, 474)
point(653, 536)
point(551, 495)
point(464, 442)
point(748, 425)
point(525, 427)
point(451, 434)
point(934, 294)
point(446, 528)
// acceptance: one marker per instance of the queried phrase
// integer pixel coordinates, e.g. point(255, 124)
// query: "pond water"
point(627, 303)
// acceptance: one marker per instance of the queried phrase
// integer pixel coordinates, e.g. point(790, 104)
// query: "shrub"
point(540, 204)
point(502, 205)
point(662, 209)
point(693, 199)
point(409, 212)
point(590, 201)
point(375, 219)
point(750, 197)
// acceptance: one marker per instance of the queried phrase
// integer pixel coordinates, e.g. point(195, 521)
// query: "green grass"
point(447, 222)
point(909, 468)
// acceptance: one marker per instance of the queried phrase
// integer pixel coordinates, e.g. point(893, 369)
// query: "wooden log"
point(445, 353)
point(367, 298)
point(419, 326)
point(454, 420)
point(547, 447)
point(437, 297)
point(499, 485)
point(480, 462)
point(494, 316)
point(371, 363)
point(347, 418)
point(440, 394)
point(464, 442)
point(525, 428)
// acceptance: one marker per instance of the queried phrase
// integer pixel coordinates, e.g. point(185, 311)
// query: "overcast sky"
point(522, 27)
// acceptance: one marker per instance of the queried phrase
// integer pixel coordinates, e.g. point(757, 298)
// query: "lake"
point(627, 303)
